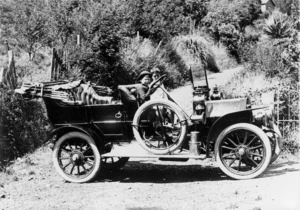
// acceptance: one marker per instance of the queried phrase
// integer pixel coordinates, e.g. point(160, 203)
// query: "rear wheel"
point(76, 157)
point(159, 126)
point(243, 151)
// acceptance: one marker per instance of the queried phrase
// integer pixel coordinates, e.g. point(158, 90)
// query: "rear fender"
point(223, 122)
point(91, 131)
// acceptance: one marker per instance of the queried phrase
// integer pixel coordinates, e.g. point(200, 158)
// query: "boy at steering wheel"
point(158, 93)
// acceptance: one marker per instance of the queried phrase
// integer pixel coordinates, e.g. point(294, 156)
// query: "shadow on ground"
point(277, 169)
point(158, 172)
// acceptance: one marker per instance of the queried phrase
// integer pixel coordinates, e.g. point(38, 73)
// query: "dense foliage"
point(23, 126)
point(226, 21)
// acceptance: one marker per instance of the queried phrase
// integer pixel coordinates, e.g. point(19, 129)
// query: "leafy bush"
point(266, 57)
point(99, 58)
point(226, 21)
point(289, 7)
point(161, 20)
point(291, 142)
point(23, 126)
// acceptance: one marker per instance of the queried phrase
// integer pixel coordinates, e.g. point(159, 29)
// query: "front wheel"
point(76, 157)
point(243, 151)
point(159, 126)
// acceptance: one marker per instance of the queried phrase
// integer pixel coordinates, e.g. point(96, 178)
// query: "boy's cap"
point(155, 70)
point(142, 74)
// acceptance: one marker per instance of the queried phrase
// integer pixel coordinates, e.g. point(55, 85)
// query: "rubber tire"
point(258, 132)
point(116, 165)
point(91, 142)
point(181, 116)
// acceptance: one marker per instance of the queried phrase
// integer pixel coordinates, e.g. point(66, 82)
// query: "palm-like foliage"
point(278, 25)
point(198, 48)
point(8, 77)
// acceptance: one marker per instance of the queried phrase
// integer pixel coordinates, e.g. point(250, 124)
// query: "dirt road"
point(150, 184)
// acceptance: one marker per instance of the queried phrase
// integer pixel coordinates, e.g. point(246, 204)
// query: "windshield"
point(198, 76)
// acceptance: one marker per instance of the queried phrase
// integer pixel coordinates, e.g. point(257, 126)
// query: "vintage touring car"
point(93, 130)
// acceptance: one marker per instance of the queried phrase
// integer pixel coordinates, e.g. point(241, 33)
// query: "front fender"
point(276, 139)
point(223, 122)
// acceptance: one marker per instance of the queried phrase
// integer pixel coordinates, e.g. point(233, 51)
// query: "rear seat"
point(88, 95)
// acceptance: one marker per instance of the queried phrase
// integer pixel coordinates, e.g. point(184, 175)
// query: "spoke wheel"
point(76, 157)
point(243, 151)
point(114, 162)
point(159, 127)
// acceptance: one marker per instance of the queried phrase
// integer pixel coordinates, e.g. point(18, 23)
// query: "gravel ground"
point(150, 184)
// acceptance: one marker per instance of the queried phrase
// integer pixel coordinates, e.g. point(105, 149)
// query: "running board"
point(134, 150)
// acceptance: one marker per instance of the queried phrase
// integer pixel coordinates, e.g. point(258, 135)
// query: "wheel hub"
point(76, 157)
point(241, 151)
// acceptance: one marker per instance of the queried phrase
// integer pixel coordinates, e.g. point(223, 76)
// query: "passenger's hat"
point(142, 74)
point(155, 70)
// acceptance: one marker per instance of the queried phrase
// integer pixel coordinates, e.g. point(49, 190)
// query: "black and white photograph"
point(149, 104)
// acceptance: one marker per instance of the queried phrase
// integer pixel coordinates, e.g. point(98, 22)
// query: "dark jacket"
point(142, 93)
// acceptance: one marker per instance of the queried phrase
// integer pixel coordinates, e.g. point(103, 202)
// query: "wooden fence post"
point(11, 71)
point(52, 68)
point(58, 59)
point(2, 74)
point(78, 40)
point(55, 65)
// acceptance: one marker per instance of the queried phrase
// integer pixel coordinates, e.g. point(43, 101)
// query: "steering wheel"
point(160, 79)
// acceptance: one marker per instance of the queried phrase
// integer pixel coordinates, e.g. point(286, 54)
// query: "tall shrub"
point(100, 61)
point(226, 21)
point(23, 126)
point(190, 48)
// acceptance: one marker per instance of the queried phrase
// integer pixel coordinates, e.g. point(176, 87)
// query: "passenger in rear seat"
point(88, 96)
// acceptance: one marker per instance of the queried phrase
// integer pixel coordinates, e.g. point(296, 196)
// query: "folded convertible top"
point(76, 92)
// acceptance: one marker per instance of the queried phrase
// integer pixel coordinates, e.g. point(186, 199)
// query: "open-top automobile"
point(93, 130)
